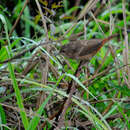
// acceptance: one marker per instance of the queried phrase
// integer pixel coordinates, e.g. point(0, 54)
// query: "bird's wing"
point(90, 46)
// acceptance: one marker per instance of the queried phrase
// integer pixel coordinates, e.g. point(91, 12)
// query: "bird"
point(84, 50)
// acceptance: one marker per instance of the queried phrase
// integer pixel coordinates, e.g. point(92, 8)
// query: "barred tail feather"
point(109, 38)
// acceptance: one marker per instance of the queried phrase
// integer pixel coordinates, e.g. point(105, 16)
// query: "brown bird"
point(84, 50)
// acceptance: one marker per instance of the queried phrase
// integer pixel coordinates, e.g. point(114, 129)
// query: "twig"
point(97, 22)
point(119, 82)
point(125, 52)
point(71, 89)
point(89, 123)
point(110, 99)
point(85, 10)
point(96, 13)
point(104, 58)
point(116, 62)
point(45, 69)
point(43, 19)
point(17, 20)
point(66, 105)
point(102, 73)
point(77, 3)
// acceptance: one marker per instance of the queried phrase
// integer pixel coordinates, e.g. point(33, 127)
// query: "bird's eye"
point(63, 51)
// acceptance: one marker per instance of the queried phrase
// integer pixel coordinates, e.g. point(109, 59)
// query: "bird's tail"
point(106, 40)
point(109, 38)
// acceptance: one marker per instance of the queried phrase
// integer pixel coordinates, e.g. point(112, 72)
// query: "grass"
point(96, 100)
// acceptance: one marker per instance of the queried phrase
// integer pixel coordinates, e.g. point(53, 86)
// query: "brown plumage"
point(84, 49)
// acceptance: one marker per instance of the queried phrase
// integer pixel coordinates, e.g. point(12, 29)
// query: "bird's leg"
point(87, 71)
point(80, 66)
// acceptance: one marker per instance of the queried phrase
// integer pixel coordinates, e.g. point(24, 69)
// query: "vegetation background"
point(34, 85)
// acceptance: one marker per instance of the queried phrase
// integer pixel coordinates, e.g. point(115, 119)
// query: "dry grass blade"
point(87, 8)
point(126, 50)
point(45, 69)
